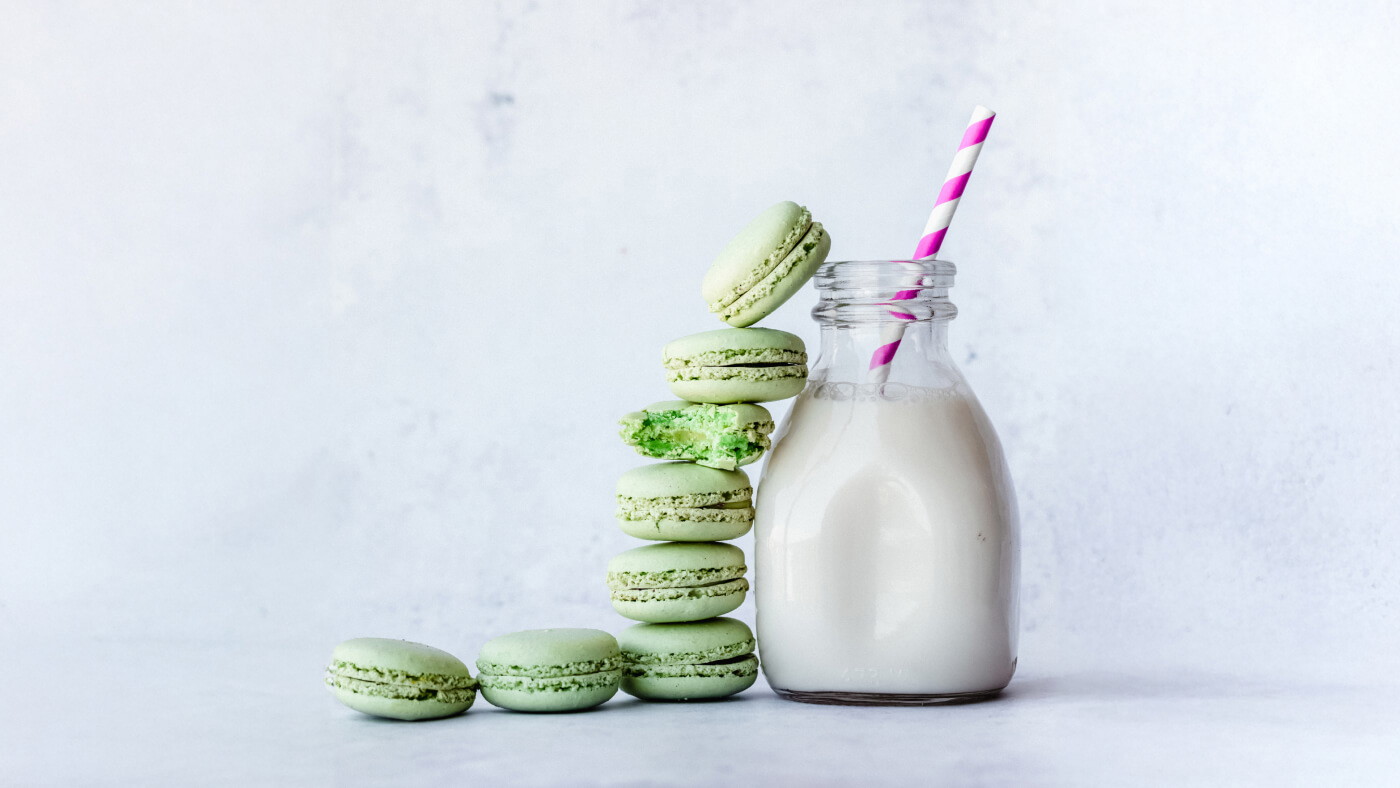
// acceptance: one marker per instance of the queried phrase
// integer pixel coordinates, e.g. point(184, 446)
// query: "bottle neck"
point(922, 358)
point(866, 307)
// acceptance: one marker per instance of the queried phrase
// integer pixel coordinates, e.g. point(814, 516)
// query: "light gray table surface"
point(149, 713)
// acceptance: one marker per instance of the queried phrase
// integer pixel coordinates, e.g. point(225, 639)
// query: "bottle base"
point(885, 698)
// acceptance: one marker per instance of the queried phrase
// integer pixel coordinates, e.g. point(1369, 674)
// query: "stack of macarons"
point(688, 505)
point(680, 588)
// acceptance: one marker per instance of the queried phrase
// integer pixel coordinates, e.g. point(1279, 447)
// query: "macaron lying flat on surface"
point(690, 661)
point(736, 365)
point(399, 679)
point(719, 436)
point(677, 581)
point(684, 502)
point(765, 264)
point(550, 669)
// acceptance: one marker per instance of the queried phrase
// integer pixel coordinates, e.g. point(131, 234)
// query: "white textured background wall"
point(315, 318)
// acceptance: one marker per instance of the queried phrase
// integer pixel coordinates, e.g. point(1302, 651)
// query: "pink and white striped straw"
point(934, 232)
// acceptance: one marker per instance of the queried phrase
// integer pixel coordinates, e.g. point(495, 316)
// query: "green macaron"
point(550, 669)
point(720, 436)
point(684, 502)
point(399, 679)
point(736, 365)
point(690, 661)
point(677, 581)
point(765, 264)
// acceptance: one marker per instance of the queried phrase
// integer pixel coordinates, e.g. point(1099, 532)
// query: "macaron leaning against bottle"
point(765, 264)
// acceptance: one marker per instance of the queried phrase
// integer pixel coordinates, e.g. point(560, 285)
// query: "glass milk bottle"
point(886, 541)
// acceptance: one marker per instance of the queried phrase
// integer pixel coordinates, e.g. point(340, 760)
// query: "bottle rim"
point(864, 292)
point(893, 267)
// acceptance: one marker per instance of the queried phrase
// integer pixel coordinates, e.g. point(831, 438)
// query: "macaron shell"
point(676, 479)
point(691, 682)
point(675, 565)
point(665, 529)
point(562, 698)
point(734, 345)
point(400, 709)
point(748, 384)
point(696, 643)
point(672, 605)
point(548, 653)
point(401, 656)
point(784, 281)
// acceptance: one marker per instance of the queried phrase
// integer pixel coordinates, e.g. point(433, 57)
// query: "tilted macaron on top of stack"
point(765, 264)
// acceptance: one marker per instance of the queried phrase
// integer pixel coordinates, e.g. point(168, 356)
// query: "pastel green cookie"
point(736, 365)
point(550, 669)
point(684, 502)
point(677, 581)
point(399, 679)
point(690, 661)
point(720, 436)
point(765, 264)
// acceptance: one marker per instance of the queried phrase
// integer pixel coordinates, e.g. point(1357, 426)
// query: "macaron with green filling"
point(550, 670)
point(765, 264)
point(399, 679)
point(691, 661)
point(718, 436)
point(736, 365)
point(684, 502)
point(677, 581)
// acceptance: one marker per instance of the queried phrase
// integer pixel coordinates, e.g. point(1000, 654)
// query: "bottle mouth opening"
point(878, 291)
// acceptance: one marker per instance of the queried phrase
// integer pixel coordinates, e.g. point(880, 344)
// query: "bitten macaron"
point(550, 669)
point(399, 679)
point(684, 502)
point(765, 264)
point(736, 365)
point(677, 581)
point(691, 661)
point(718, 436)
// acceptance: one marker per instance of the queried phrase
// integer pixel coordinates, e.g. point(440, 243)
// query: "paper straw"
point(948, 198)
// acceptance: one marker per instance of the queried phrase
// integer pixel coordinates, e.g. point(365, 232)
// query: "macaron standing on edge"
point(550, 670)
point(736, 365)
point(399, 679)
